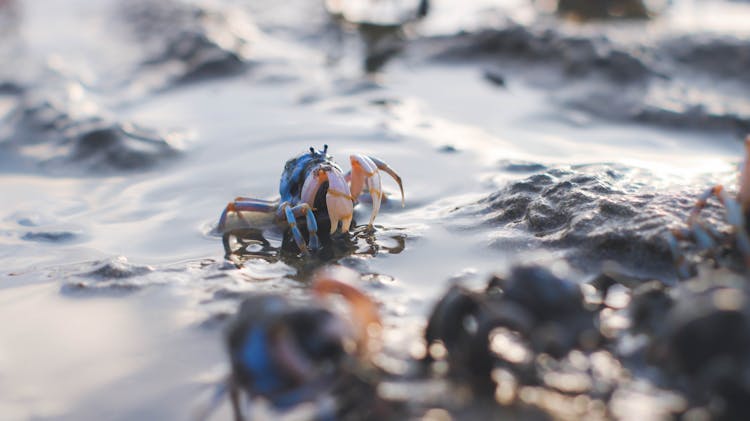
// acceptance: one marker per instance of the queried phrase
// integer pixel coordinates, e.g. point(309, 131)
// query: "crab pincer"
point(366, 170)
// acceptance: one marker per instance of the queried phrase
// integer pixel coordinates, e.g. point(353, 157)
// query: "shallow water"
point(112, 276)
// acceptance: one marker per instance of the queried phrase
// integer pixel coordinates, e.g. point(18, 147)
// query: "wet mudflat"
point(554, 154)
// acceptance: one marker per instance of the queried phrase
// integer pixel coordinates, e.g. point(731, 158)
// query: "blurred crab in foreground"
point(708, 237)
point(303, 358)
point(528, 313)
point(313, 186)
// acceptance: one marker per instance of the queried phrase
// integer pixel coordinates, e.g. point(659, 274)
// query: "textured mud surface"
point(544, 160)
point(592, 213)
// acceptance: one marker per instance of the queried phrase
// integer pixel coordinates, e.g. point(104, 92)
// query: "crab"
point(312, 185)
point(291, 353)
point(532, 309)
point(708, 237)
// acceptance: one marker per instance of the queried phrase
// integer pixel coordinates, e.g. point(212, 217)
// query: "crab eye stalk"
point(323, 152)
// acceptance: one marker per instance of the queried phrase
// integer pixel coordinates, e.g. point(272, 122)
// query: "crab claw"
point(338, 198)
point(339, 201)
point(365, 170)
point(364, 313)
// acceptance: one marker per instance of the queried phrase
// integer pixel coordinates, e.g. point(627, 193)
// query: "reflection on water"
point(244, 244)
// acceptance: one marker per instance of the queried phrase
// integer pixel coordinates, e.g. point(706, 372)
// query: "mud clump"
point(49, 236)
point(190, 42)
point(118, 268)
point(591, 211)
point(693, 116)
point(10, 88)
point(712, 55)
point(111, 276)
point(68, 130)
point(586, 9)
point(671, 80)
point(575, 56)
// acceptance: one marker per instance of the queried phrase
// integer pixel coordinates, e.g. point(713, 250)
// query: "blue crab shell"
point(296, 171)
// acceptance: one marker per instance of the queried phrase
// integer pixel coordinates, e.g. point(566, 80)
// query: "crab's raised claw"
point(382, 166)
point(338, 197)
point(244, 204)
point(365, 315)
point(365, 171)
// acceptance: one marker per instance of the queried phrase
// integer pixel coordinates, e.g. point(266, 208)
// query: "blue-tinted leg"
point(703, 238)
point(292, 221)
point(680, 262)
point(706, 236)
point(736, 217)
point(312, 225)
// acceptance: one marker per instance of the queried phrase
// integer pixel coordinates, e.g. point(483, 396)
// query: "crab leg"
point(291, 214)
point(245, 204)
point(673, 238)
point(735, 216)
point(705, 235)
point(338, 197)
